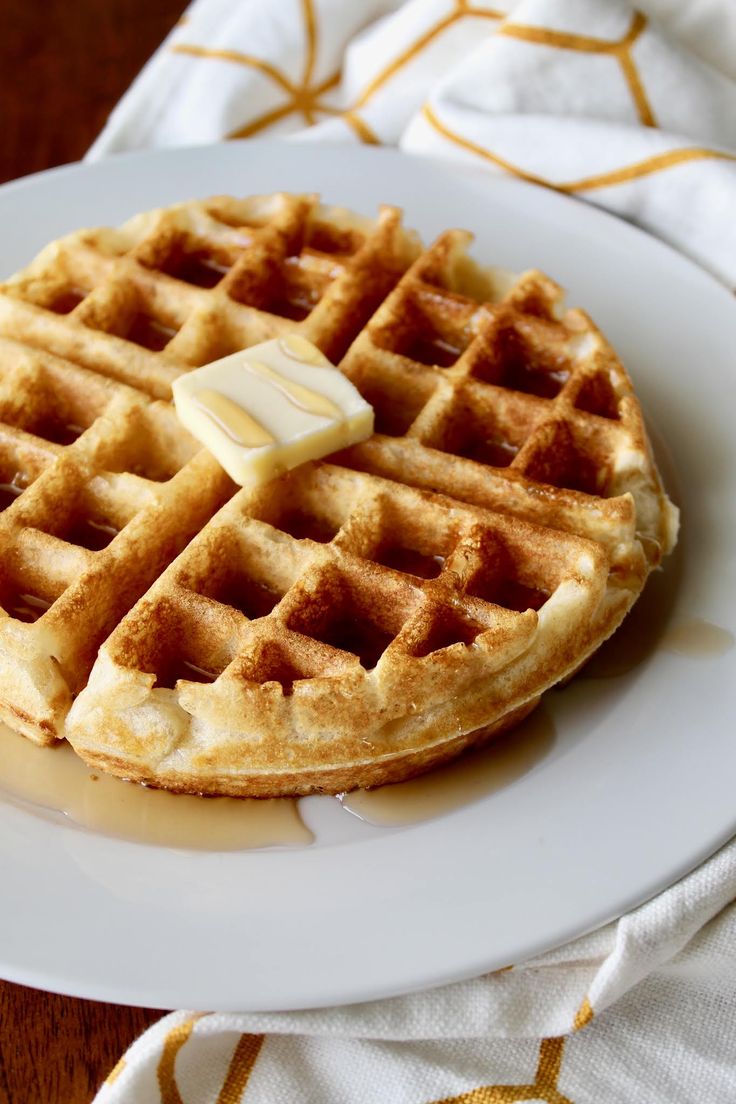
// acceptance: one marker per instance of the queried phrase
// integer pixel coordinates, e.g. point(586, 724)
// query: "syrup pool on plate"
point(57, 779)
point(469, 778)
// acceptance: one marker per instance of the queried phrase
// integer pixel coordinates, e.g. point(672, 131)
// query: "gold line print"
point(236, 58)
point(116, 1070)
point(262, 121)
point(482, 13)
point(240, 1068)
point(310, 29)
point(406, 56)
point(563, 40)
point(624, 175)
point(464, 7)
point(353, 120)
point(304, 102)
point(480, 151)
point(544, 1087)
point(302, 98)
point(646, 167)
point(166, 1074)
point(361, 128)
point(583, 1015)
point(633, 79)
point(418, 45)
point(305, 99)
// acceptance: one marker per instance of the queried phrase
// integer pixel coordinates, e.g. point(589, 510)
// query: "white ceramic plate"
point(638, 785)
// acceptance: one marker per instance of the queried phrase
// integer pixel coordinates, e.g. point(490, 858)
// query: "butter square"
point(269, 408)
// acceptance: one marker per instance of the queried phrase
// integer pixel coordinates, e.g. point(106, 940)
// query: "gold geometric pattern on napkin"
point(244, 1057)
point(544, 1087)
point(116, 1070)
point(583, 1016)
point(620, 50)
point(304, 97)
point(166, 1074)
point(665, 160)
point(461, 9)
point(239, 1069)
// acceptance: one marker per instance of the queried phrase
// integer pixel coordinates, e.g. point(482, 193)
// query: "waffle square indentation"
point(397, 397)
point(561, 459)
point(53, 409)
point(348, 616)
point(199, 267)
point(428, 329)
point(447, 628)
point(479, 430)
point(149, 332)
point(27, 595)
point(290, 288)
point(14, 479)
point(85, 521)
point(66, 299)
point(242, 590)
point(171, 641)
point(308, 507)
point(327, 238)
point(154, 445)
point(511, 359)
point(597, 396)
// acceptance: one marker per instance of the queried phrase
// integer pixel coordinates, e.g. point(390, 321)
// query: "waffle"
point(100, 487)
point(362, 618)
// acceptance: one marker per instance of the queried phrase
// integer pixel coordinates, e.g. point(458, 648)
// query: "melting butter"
point(56, 778)
point(267, 409)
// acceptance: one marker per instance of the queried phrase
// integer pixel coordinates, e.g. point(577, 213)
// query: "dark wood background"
point(63, 66)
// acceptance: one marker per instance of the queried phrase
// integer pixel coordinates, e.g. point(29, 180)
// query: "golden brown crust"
point(360, 619)
point(328, 780)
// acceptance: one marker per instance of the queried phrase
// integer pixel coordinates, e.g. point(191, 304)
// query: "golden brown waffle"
point(361, 618)
point(487, 389)
point(100, 486)
point(87, 526)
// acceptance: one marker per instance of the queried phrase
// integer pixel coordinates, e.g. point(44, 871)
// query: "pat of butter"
point(269, 408)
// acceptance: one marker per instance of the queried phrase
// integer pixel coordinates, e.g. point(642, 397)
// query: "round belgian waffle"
point(353, 622)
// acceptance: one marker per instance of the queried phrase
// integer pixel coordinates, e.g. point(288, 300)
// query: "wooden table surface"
point(63, 66)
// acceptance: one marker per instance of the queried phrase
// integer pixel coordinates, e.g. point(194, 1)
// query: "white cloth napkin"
point(669, 966)
point(596, 99)
point(588, 96)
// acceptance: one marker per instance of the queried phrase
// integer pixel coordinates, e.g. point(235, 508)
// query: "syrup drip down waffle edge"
point(362, 618)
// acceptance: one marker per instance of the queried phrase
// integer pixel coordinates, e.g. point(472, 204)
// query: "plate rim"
point(330, 994)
